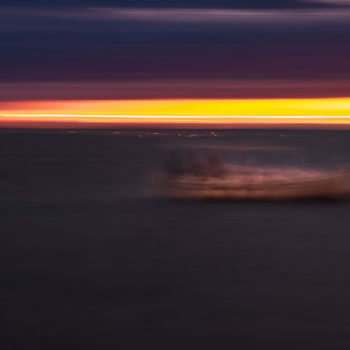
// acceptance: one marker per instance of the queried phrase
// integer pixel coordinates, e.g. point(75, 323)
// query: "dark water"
point(91, 260)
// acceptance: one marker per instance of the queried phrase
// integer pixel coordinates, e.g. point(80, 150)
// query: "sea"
point(92, 257)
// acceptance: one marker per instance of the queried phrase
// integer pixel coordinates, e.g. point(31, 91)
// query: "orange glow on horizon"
point(180, 112)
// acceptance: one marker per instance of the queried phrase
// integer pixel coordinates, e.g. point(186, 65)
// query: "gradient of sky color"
point(132, 49)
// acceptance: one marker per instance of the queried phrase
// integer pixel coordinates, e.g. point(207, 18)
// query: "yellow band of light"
point(216, 111)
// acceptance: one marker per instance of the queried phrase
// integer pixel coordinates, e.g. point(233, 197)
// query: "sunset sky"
point(136, 63)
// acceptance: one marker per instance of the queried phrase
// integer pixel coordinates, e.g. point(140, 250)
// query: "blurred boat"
point(237, 182)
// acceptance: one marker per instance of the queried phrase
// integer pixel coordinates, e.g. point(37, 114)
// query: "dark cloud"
point(244, 4)
point(49, 49)
point(79, 42)
point(176, 88)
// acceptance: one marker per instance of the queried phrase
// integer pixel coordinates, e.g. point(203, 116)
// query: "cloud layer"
point(238, 41)
point(238, 4)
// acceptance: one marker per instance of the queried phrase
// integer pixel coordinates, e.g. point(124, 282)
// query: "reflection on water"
point(111, 165)
point(191, 176)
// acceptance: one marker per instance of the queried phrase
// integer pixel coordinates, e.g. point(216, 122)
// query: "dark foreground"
point(92, 260)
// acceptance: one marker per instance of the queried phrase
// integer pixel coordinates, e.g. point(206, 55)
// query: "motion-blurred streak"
point(213, 179)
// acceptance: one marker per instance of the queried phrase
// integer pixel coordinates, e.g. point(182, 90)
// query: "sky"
point(154, 50)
